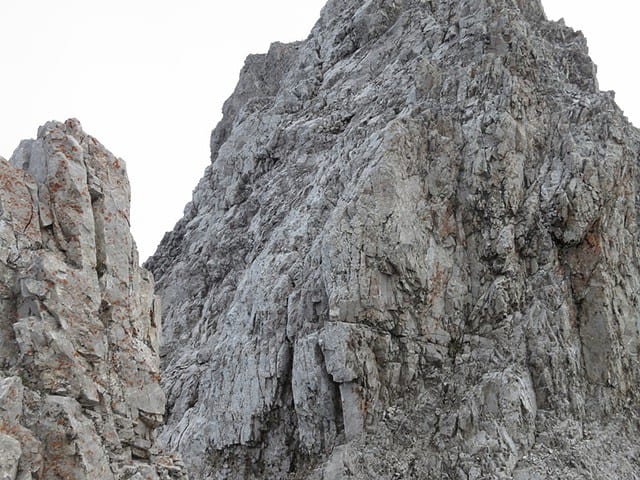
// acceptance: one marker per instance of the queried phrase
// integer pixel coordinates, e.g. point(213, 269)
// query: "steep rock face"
point(79, 323)
point(414, 255)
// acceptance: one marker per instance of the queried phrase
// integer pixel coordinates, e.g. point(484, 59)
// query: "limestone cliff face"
point(414, 255)
point(79, 323)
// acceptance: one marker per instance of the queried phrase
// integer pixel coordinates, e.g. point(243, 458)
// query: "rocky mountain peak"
point(80, 396)
point(412, 256)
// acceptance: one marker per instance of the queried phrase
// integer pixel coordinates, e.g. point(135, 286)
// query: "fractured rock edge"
point(79, 322)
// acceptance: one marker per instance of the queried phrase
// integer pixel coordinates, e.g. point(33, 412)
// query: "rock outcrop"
point(414, 255)
point(80, 396)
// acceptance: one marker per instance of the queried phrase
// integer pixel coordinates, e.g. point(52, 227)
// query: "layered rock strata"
point(414, 255)
point(79, 323)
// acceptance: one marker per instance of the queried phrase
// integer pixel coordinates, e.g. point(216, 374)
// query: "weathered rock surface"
point(414, 255)
point(79, 323)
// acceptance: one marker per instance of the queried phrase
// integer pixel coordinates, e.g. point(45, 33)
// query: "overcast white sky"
point(148, 77)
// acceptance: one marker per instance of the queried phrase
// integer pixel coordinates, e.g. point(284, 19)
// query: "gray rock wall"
point(414, 255)
point(80, 396)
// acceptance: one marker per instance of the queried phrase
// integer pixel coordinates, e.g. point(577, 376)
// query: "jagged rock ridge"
point(414, 255)
point(79, 323)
